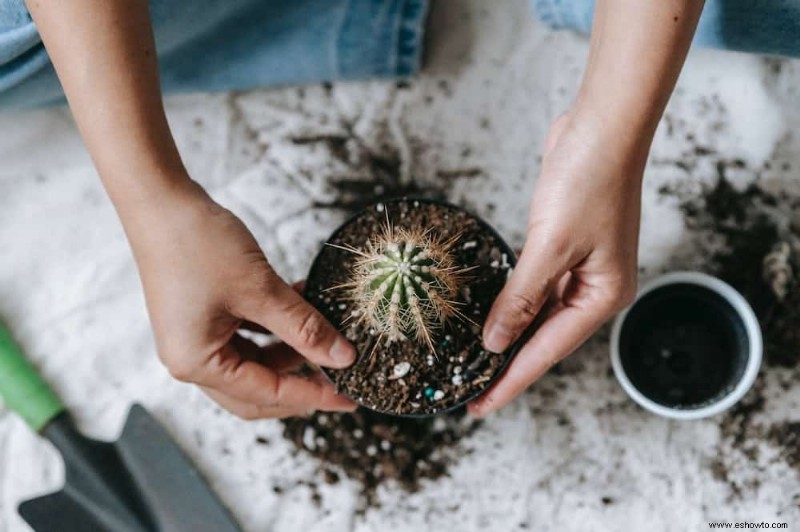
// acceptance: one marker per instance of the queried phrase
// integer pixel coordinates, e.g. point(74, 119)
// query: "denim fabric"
point(216, 45)
point(757, 26)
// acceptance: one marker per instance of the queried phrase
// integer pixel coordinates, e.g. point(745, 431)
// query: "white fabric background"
point(496, 80)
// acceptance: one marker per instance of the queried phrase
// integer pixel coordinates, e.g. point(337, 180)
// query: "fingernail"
point(342, 352)
point(497, 339)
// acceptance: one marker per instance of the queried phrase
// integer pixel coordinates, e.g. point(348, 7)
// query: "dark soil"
point(683, 346)
point(374, 174)
point(460, 368)
point(760, 256)
point(354, 194)
point(752, 225)
point(786, 437)
point(374, 448)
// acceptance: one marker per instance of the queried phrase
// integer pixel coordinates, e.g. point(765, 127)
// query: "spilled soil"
point(760, 256)
point(752, 239)
point(367, 446)
point(374, 448)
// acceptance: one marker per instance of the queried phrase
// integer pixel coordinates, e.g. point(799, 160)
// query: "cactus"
point(404, 284)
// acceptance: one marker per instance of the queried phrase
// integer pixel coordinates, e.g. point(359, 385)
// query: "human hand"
point(204, 275)
point(579, 262)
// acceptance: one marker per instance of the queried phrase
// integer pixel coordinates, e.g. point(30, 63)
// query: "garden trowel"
point(143, 482)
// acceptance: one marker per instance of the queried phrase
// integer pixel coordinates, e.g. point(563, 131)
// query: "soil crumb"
point(373, 448)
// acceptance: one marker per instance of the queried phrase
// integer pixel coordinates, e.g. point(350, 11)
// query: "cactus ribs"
point(403, 285)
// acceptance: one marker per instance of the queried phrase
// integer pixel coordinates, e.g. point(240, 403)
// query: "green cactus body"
point(404, 285)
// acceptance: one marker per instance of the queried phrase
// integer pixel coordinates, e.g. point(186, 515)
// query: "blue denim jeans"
point(217, 45)
point(758, 26)
point(214, 45)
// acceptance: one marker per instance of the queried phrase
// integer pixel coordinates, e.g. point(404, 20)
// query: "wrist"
point(612, 138)
point(156, 199)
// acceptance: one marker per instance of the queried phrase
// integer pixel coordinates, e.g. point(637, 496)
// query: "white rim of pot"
point(752, 329)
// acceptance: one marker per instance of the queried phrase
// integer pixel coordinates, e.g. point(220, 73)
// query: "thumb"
point(294, 320)
point(534, 278)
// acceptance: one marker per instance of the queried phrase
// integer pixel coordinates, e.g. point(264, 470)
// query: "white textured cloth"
point(572, 454)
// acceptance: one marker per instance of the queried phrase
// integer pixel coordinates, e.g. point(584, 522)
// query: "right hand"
point(204, 275)
point(578, 266)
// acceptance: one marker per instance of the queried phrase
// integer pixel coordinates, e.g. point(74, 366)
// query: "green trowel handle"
point(21, 387)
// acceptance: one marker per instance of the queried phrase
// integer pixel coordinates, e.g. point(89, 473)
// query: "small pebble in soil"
point(308, 438)
point(400, 370)
point(438, 395)
point(457, 380)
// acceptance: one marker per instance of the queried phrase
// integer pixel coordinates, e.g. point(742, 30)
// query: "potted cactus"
point(410, 283)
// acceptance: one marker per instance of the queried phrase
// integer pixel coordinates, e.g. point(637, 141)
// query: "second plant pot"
point(410, 284)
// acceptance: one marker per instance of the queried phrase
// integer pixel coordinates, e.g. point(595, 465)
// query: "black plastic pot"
point(318, 267)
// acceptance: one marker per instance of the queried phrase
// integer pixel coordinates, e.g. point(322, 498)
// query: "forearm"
point(104, 54)
point(637, 51)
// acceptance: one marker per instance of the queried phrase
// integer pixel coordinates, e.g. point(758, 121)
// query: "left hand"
point(579, 262)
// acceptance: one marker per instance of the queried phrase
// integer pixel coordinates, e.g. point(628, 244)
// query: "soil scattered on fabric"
point(373, 448)
point(752, 239)
point(406, 377)
point(786, 437)
point(759, 256)
point(375, 173)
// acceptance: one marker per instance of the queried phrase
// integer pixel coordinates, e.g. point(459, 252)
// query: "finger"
point(558, 127)
point(279, 356)
point(299, 286)
point(253, 327)
point(296, 322)
point(248, 381)
point(249, 411)
point(561, 334)
point(523, 296)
